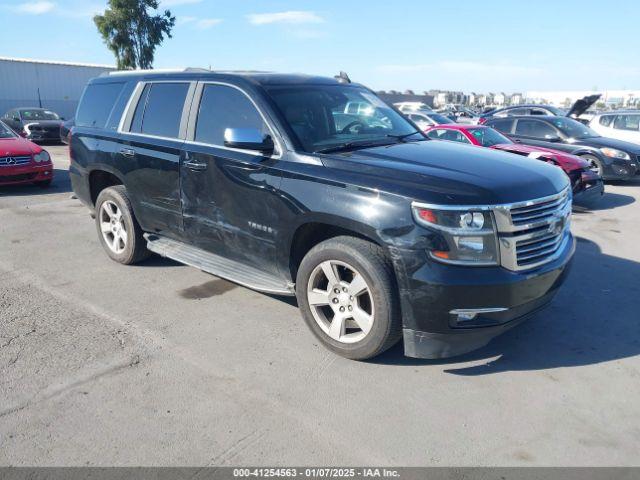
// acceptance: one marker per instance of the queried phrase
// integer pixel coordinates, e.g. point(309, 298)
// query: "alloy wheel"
point(113, 227)
point(341, 301)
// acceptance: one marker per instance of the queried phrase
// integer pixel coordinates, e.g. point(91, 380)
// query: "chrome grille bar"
point(9, 161)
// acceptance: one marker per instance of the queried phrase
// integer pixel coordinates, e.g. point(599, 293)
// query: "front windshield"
point(331, 117)
point(488, 137)
point(573, 129)
point(38, 115)
point(5, 132)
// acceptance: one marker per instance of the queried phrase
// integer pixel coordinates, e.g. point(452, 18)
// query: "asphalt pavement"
point(161, 364)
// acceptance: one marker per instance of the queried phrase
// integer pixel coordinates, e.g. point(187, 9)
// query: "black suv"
point(378, 231)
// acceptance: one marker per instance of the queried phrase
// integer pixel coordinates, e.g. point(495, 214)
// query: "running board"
point(219, 266)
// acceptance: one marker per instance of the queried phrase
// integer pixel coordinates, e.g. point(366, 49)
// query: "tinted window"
point(535, 129)
point(627, 122)
point(488, 137)
point(516, 111)
point(136, 124)
point(573, 129)
point(449, 135)
point(605, 120)
point(5, 132)
point(163, 109)
point(38, 114)
point(224, 107)
point(503, 126)
point(97, 103)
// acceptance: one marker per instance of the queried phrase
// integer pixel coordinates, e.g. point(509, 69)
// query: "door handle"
point(127, 152)
point(195, 166)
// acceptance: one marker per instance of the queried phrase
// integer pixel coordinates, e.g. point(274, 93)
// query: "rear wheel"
point(347, 295)
point(118, 229)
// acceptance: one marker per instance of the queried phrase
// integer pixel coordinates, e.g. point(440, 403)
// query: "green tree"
point(132, 33)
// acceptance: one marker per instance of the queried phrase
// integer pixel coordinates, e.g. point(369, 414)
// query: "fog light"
point(465, 317)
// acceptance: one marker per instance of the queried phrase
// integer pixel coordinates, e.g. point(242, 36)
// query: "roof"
point(262, 78)
point(54, 62)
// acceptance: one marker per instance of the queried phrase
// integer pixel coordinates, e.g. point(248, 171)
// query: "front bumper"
point(26, 174)
point(619, 169)
point(590, 194)
point(430, 292)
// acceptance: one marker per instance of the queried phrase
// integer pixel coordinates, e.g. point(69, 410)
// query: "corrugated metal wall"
point(58, 86)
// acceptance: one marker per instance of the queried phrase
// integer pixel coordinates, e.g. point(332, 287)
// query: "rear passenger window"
point(503, 126)
point(96, 105)
point(223, 107)
point(627, 122)
point(535, 129)
point(159, 110)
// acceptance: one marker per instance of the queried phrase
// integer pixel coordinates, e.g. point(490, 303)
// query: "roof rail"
point(166, 70)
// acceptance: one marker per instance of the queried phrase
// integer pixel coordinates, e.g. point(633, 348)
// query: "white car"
point(622, 125)
point(425, 120)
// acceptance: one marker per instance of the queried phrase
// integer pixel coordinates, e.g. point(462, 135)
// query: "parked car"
point(407, 107)
point(36, 124)
point(65, 130)
point(578, 108)
point(587, 185)
point(425, 120)
point(22, 161)
point(460, 114)
point(380, 232)
point(622, 125)
point(610, 158)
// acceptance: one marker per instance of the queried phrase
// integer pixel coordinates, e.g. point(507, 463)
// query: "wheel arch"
point(100, 178)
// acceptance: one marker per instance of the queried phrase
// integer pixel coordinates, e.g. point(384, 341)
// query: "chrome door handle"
point(127, 152)
point(196, 166)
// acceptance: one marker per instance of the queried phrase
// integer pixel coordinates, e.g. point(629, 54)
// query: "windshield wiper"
point(404, 135)
point(350, 145)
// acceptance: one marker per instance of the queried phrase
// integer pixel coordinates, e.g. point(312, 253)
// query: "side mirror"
point(248, 139)
point(16, 119)
point(552, 138)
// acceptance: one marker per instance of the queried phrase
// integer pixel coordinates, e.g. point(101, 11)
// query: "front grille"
point(532, 233)
point(9, 161)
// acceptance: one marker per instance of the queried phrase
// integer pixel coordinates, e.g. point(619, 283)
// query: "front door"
point(230, 197)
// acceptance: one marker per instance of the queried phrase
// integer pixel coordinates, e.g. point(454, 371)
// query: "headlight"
point(43, 157)
point(613, 153)
point(466, 237)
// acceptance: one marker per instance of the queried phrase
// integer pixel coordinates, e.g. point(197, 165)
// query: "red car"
point(22, 161)
point(587, 185)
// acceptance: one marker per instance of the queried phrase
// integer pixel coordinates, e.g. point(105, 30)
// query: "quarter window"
point(605, 120)
point(223, 107)
point(159, 109)
point(535, 129)
point(96, 105)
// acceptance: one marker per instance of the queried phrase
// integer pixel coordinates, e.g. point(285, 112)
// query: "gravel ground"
point(160, 364)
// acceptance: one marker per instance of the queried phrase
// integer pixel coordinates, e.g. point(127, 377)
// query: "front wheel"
point(595, 165)
point(347, 294)
point(118, 229)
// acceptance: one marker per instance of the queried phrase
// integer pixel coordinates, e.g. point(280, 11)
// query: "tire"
point(43, 184)
point(129, 247)
point(594, 163)
point(379, 326)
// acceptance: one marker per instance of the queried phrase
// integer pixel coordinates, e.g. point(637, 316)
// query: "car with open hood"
point(579, 107)
point(35, 124)
point(22, 161)
point(381, 233)
point(612, 159)
point(587, 185)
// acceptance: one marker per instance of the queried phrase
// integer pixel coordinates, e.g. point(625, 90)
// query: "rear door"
point(148, 152)
point(230, 197)
point(626, 127)
point(535, 132)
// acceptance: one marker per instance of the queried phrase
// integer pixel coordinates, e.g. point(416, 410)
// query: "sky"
point(490, 45)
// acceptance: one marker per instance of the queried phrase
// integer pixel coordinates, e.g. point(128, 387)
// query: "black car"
point(577, 109)
point(380, 232)
point(65, 130)
point(610, 158)
point(35, 124)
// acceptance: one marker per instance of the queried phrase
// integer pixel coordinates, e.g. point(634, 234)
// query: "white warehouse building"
point(56, 86)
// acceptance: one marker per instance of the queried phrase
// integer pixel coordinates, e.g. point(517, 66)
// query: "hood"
point(610, 142)
point(582, 105)
point(565, 160)
point(16, 147)
point(450, 173)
